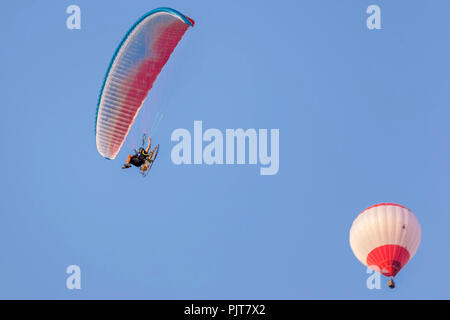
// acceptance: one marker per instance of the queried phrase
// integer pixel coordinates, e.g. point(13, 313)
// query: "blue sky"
point(363, 118)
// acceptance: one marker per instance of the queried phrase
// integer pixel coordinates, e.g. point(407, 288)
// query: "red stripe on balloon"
point(384, 204)
point(388, 259)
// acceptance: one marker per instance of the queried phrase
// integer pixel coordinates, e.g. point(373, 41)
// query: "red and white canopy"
point(385, 237)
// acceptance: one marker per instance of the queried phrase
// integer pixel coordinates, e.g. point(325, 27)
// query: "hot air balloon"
point(134, 67)
point(385, 237)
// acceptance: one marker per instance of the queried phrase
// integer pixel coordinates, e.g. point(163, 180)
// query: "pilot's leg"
point(149, 144)
point(150, 156)
point(127, 164)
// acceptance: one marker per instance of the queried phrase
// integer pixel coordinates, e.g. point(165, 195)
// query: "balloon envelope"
point(134, 67)
point(385, 237)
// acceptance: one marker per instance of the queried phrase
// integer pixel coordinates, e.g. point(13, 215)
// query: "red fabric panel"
point(390, 259)
point(146, 75)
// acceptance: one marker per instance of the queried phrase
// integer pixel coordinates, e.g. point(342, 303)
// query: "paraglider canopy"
point(134, 67)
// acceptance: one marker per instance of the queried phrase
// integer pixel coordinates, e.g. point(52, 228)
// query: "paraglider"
point(385, 237)
point(135, 65)
point(142, 158)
